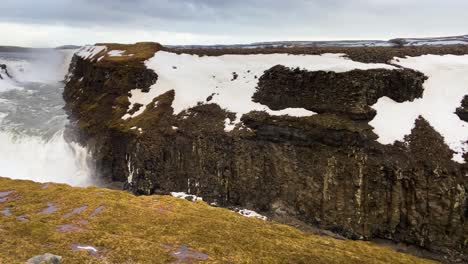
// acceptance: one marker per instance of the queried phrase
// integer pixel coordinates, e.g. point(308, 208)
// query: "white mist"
point(32, 121)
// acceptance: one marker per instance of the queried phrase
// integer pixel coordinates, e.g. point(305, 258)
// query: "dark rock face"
point(95, 104)
point(348, 93)
point(326, 170)
point(462, 111)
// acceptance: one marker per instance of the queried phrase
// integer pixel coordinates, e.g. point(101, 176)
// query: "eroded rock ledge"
point(326, 170)
point(349, 93)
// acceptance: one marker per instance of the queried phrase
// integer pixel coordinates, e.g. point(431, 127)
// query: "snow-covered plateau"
point(231, 80)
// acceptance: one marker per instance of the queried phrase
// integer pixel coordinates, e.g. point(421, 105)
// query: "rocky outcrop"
point(349, 93)
point(327, 170)
point(96, 86)
point(45, 259)
point(4, 72)
point(462, 111)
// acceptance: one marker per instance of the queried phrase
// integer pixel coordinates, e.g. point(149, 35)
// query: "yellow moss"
point(151, 115)
point(140, 51)
point(146, 229)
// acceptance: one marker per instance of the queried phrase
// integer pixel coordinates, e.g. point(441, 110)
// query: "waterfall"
point(32, 121)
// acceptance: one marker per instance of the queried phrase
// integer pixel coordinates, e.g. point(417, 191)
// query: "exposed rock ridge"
point(350, 93)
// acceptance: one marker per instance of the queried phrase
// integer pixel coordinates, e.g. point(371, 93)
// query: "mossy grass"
point(137, 52)
point(147, 229)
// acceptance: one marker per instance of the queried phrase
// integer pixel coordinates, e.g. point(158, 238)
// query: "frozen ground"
point(230, 80)
point(443, 92)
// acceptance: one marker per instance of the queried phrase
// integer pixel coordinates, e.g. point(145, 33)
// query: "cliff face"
point(325, 169)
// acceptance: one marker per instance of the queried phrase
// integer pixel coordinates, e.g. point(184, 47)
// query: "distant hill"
point(68, 47)
point(396, 42)
point(13, 49)
point(438, 41)
point(27, 49)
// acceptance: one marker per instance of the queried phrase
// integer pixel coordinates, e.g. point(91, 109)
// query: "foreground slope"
point(92, 225)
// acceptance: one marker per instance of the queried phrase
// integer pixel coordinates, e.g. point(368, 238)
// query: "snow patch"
point(252, 214)
point(116, 53)
point(185, 196)
point(131, 171)
point(437, 43)
point(90, 51)
point(229, 125)
point(197, 78)
point(137, 128)
point(90, 249)
point(443, 93)
point(87, 248)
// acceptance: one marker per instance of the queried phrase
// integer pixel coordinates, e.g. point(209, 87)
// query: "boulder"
point(45, 259)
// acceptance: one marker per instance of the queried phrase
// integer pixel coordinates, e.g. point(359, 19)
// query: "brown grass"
point(361, 54)
point(147, 229)
point(141, 51)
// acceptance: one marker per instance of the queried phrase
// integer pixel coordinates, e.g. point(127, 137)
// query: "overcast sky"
point(40, 23)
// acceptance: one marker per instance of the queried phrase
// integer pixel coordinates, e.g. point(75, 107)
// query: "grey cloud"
point(140, 11)
point(267, 19)
point(195, 16)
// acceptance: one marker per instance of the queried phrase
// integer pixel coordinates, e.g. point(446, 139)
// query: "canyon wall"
point(326, 169)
